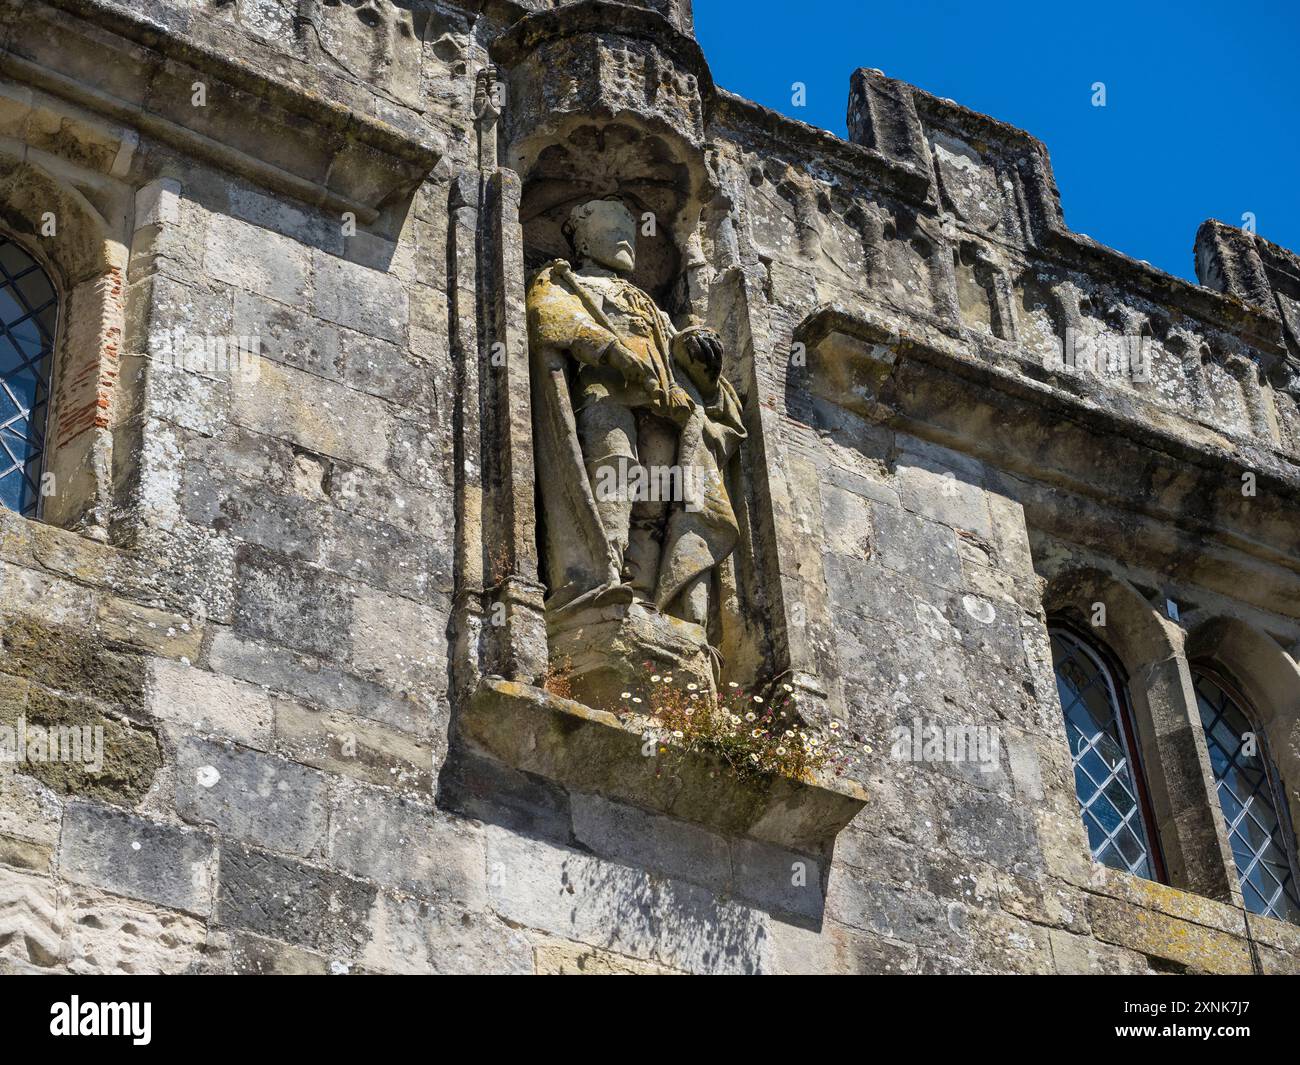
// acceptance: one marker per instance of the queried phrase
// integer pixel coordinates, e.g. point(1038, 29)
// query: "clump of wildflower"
point(739, 725)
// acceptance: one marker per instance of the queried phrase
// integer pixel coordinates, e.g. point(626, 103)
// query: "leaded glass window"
point(1107, 773)
point(29, 309)
point(1251, 800)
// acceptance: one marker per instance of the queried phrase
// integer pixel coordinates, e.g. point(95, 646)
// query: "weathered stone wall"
point(274, 609)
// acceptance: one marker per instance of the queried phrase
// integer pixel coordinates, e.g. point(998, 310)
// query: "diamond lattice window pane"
point(28, 310)
point(1103, 771)
point(1251, 803)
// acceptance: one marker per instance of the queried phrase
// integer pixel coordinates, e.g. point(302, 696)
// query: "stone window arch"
point(84, 256)
point(1251, 801)
point(1108, 774)
point(1148, 653)
point(1264, 681)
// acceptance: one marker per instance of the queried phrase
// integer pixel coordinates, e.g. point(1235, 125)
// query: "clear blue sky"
point(1203, 97)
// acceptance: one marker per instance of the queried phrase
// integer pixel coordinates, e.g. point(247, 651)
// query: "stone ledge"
point(325, 153)
point(1193, 946)
point(1169, 901)
point(879, 370)
point(593, 751)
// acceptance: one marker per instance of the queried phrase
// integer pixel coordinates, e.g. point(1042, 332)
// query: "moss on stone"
point(64, 660)
point(127, 762)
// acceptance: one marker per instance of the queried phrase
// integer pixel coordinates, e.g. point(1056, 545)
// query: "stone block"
point(290, 603)
point(570, 894)
point(285, 334)
point(26, 855)
point(257, 260)
point(1005, 944)
point(399, 643)
point(28, 809)
point(602, 651)
point(704, 933)
point(776, 879)
point(909, 544)
point(313, 413)
point(29, 593)
point(1082, 956)
point(382, 837)
point(247, 511)
point(303, 904)
point(1167, 900)
point(73, 661)
point(383, 369)
point(31, 924)
point(161, 632)
point(1045, 902)
point(385, 557)
point(210, 704)
point(897, 913)
point(343, 743)
point(106, 935)
point(141, 859)
point(74, 747)
point(253, 797)
point(360, 298)
point(944, 489)
point(419, 936)
point(259, 956)
point(637, 838)
point(847, 518)
point(993, 828)
point(835, 950)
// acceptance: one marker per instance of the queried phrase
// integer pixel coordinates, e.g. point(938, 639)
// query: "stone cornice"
point(326, 152)
point(866, 364)
point(597, 16)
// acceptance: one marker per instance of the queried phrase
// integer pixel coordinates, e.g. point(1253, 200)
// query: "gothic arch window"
point(1251, 799)
point(1108, 777)
point(29, 307)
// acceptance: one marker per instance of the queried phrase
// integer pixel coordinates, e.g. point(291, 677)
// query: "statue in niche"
point(635, 426)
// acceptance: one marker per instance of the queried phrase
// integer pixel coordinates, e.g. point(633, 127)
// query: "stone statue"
point(634, 428)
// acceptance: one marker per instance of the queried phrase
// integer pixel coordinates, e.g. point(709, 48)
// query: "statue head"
point(603, 232)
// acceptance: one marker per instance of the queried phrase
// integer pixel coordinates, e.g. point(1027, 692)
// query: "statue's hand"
point(635, 372)
point(703, 347)
point(677, 405)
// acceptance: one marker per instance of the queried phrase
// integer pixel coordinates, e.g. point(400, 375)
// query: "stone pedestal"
point(601, 652)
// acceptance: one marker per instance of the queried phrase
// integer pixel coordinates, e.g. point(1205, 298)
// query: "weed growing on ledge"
point(756, 737)
point(558, 678)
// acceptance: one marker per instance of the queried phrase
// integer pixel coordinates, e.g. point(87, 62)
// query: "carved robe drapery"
point(588, 411)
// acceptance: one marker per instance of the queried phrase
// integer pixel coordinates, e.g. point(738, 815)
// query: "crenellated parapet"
point(955, 218)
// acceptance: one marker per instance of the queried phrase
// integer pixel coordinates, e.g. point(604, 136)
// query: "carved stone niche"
point(620, 384)
point(602, 107)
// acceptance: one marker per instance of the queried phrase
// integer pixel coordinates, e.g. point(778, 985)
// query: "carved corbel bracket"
point(595, 752)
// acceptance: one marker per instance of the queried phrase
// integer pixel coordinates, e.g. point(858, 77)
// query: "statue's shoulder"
point(546, 276)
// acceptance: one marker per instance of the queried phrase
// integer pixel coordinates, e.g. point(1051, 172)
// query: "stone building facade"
point(303, 491)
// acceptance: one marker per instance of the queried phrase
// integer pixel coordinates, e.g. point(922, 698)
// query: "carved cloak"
point(702, 532)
